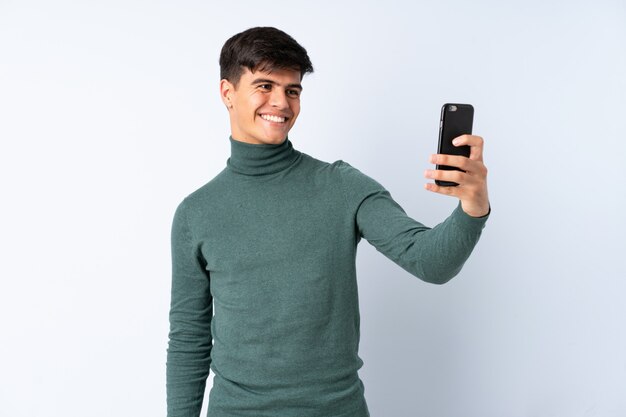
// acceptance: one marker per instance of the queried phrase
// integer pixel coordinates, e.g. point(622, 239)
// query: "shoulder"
point(355, 179)
point(312, 166)
point(203, 195)
point(354, 184)
point(339, 168)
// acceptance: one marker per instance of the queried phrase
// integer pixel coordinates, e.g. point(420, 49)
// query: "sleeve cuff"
point(469, 221)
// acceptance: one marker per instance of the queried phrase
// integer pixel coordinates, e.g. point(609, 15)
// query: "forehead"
point(279, 76)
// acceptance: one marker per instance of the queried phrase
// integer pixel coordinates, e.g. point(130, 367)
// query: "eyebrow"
point(266, 81)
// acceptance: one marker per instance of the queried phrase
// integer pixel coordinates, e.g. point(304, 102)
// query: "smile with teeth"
point(275, 119)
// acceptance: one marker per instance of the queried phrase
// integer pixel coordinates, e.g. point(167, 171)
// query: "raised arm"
point(434, 255)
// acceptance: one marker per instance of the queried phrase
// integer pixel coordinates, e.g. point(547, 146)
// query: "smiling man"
point(263, 106)
point(264, 289)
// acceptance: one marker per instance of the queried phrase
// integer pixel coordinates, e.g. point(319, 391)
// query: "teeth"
point(273, 118)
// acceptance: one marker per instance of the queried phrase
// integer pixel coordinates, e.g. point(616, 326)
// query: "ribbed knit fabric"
point(269, 247)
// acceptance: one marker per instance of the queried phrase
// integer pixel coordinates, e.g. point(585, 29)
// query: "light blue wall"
point(109, 115)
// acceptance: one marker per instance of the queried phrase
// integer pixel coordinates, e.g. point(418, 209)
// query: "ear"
point(226, 91)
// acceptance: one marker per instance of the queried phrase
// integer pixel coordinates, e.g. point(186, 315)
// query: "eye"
point(293, 93)
point(265, 86)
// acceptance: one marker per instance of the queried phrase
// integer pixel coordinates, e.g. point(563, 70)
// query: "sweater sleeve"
point(434, 255)
point(190, 342)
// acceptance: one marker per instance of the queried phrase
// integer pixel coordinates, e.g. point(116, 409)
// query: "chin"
point(274, 139)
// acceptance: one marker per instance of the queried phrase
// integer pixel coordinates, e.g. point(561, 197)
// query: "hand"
point(472, 188)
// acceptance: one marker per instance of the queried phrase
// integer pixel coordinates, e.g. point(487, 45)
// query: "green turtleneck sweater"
point(264, 289)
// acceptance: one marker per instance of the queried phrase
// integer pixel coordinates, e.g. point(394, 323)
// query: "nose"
point(278, 99)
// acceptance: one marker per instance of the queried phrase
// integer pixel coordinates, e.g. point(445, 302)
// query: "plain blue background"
point(110, 115)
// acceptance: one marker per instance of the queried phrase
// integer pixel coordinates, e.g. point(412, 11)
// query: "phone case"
point(456, 120)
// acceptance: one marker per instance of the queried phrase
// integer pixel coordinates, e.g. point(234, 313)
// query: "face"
point(264, 106)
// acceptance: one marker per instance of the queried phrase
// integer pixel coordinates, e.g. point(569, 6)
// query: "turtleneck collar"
point(260, 159)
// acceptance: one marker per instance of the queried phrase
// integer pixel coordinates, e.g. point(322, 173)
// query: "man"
point(269, 246)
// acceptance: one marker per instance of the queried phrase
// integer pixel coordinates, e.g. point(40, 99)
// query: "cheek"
point(256, 101)
point(295, 108)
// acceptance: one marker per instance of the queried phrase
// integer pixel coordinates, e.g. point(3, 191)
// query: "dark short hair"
point(262, 49)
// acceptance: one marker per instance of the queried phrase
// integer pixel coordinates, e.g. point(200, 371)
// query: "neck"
point(260, 159)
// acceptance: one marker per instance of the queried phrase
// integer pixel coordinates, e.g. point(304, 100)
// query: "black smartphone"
point(456, 120)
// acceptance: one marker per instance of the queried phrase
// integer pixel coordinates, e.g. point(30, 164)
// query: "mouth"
point(274, 118)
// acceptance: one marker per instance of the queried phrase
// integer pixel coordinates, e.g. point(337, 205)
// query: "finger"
point(469, 166)
point(444, 175)
point(451, 160)
point(441, 190)
point(476, 144)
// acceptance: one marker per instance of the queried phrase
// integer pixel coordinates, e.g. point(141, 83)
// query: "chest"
point(264, 226)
